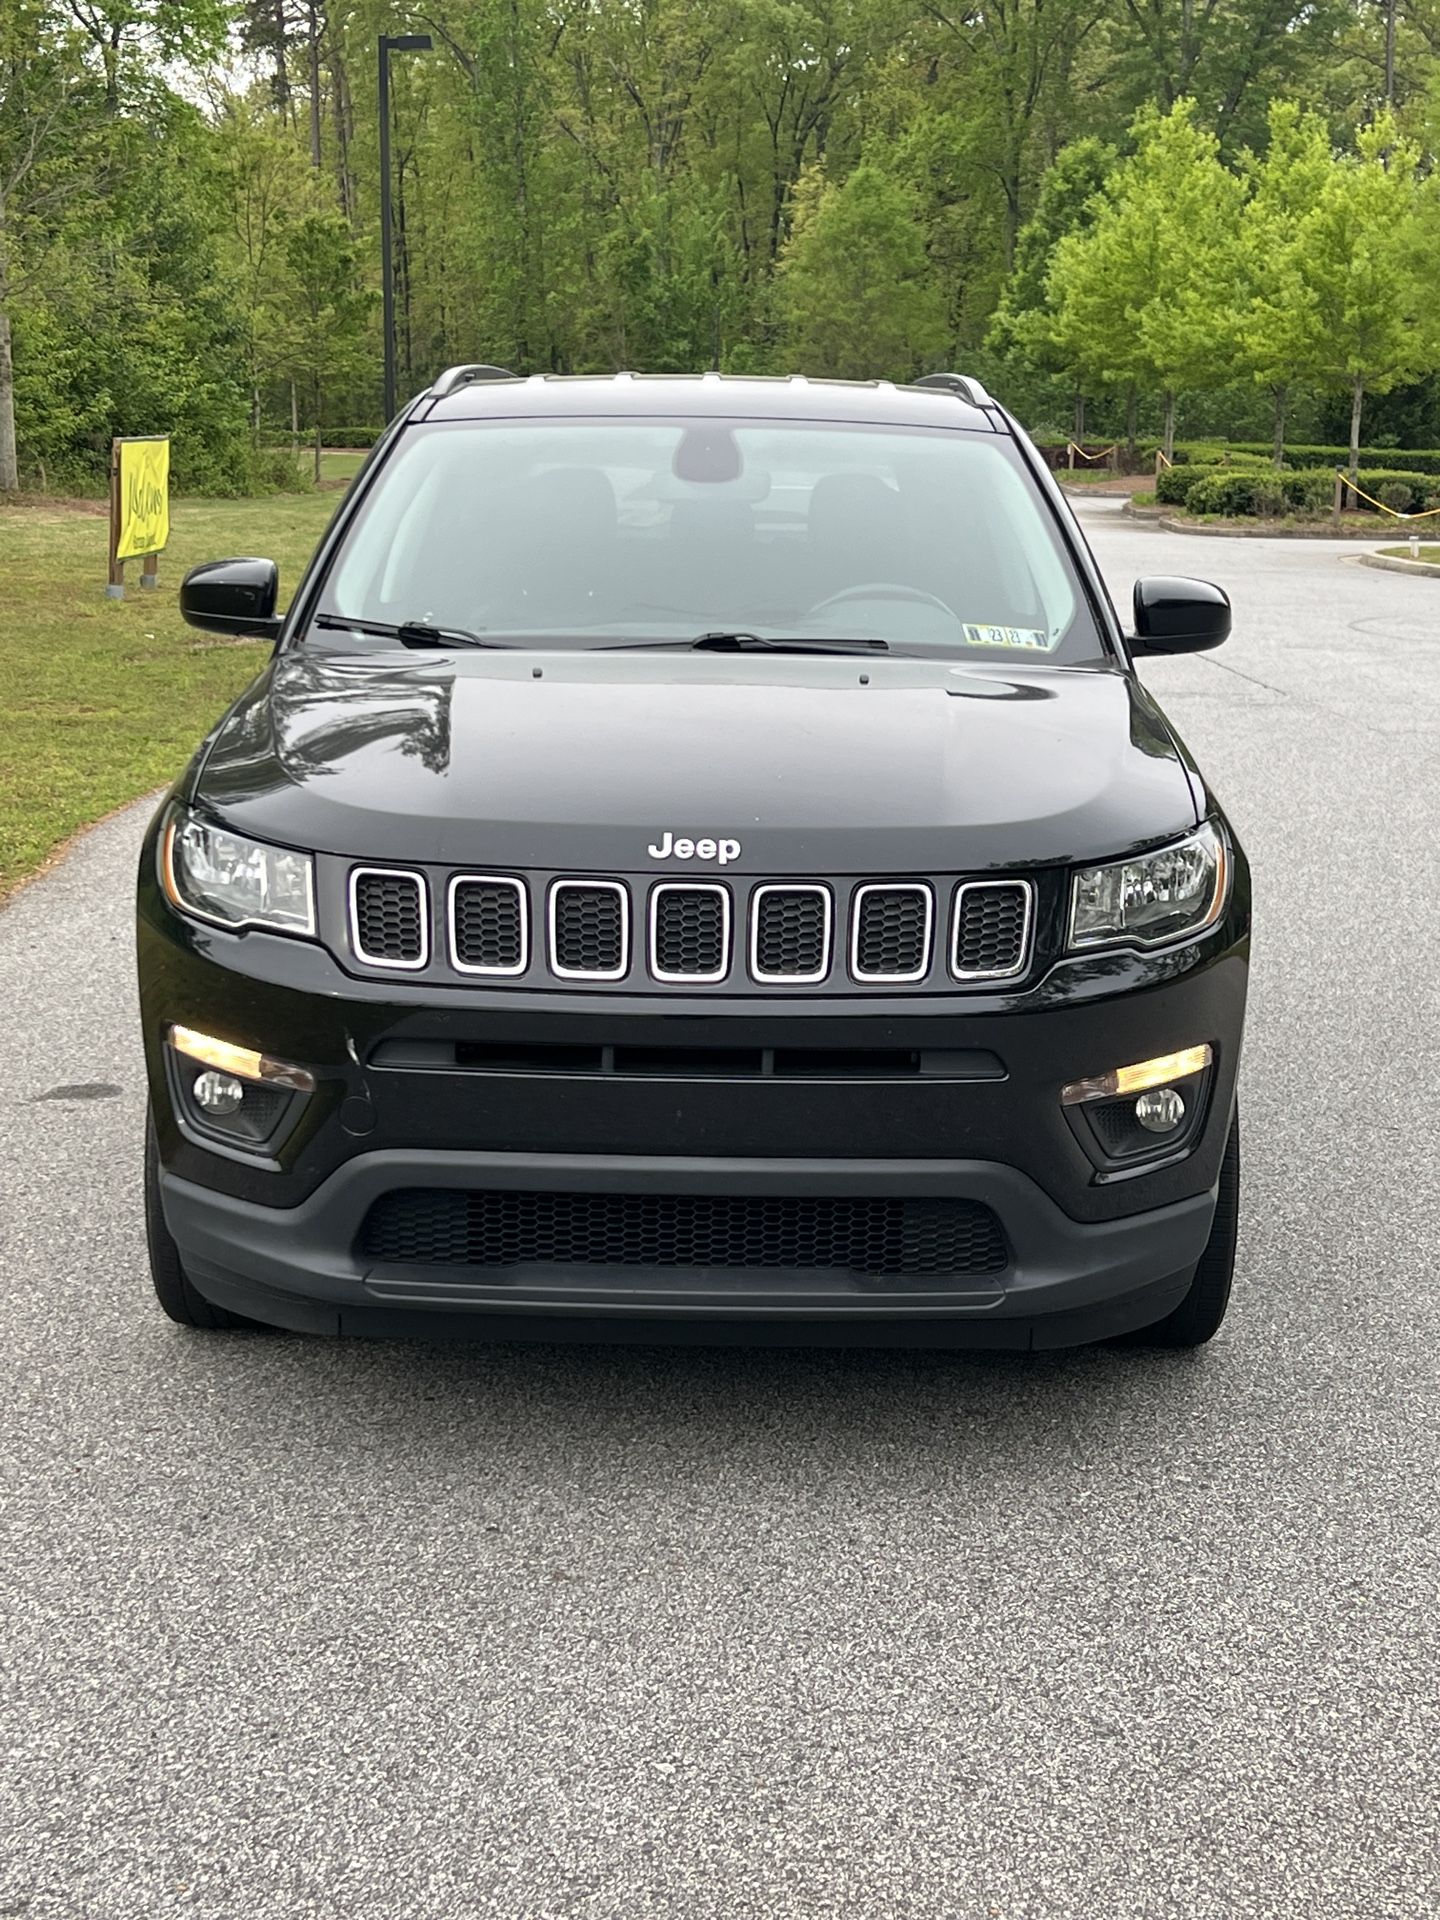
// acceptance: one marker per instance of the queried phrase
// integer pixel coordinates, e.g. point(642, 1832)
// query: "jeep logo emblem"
point(669, 848)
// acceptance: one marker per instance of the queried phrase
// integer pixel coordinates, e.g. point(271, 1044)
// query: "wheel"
point(185, 1306)
point(1198, 1316)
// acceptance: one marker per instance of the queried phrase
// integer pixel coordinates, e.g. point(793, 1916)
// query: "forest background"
point(1130, 217)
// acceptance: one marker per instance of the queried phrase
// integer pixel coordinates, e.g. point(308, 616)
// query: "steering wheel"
point(882, 590)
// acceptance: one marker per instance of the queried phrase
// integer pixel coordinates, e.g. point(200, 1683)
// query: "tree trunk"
point(1169, 425)
point(317, 452)
point(9, 468)
point(280, 83)
point(294, 424)
point(340, 101)
point(314, 26)
point(1278, 396)
point(1079, 418)
point(1357, 403)
point(1132, 423)
point(9, 465)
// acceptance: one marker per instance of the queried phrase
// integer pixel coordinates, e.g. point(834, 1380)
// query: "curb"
point(1390, 565)
point(1172, 525)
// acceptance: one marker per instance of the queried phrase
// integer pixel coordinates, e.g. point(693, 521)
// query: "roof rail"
point(963, 385)
point(453, 378)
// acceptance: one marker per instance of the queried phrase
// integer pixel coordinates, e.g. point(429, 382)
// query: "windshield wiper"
point(410, 633)
point(739, 641)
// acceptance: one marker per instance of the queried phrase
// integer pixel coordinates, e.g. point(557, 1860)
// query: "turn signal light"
point(244, 1062)
point(1121, 1081)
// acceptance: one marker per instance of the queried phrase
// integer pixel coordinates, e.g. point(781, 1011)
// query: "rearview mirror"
point(1179, 616)
point(233, 596)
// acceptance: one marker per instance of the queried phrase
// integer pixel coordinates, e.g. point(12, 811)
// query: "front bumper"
point(1066, 1282)
point(977, 1117)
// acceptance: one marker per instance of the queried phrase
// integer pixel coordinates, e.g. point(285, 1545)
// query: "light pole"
point(390, 43)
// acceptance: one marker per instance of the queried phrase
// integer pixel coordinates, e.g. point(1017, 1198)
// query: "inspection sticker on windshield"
point(1030, 639)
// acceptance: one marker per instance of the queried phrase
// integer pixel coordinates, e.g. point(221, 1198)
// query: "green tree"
point(1360, 263)
point(857, 299)
point(1279, 329)
point(49, 156)
point(1229, 56)
point(324, 346)
point(1024, 329)
point(1146, 294)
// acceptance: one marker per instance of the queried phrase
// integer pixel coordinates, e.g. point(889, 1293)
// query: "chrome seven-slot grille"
point(697, 932)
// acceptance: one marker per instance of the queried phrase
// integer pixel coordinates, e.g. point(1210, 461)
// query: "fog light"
point(243, 1061)
point(218, 1092)
point(1121, 1081)
point(1160, 1111)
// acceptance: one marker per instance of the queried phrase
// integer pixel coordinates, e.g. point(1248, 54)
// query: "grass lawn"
point(1430, 554)
point(101, 700)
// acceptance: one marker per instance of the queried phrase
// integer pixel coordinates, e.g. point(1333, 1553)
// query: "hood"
point(585, 760)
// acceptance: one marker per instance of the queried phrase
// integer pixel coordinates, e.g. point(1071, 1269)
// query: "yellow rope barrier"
point(1394, 512)
point(1162, 459)
point(1070, 447)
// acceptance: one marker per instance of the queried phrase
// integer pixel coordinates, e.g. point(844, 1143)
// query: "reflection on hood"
point(312, 712)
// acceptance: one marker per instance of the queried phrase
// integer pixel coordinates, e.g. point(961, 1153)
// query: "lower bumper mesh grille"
point(437, 1226)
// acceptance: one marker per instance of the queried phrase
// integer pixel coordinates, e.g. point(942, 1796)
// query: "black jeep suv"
point(698, 859)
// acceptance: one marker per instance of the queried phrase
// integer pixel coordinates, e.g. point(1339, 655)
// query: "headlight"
point(1154, 899)
point(240, 883)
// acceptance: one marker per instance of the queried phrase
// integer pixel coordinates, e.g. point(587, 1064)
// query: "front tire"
point(1198, 1316)
point(181, 1301)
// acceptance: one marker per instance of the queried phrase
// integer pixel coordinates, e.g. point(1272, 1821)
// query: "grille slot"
point(890, 933)
point(488, 924)
point(389, 917)
point(859, 1236)
point(992, 930)
point(689, 932)
point(790, 934)
point(685, 1063)
point(589, 929)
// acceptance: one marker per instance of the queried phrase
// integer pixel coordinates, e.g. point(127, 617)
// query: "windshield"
point(604, 532)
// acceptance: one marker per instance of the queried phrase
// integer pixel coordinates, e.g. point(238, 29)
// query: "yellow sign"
point(142, 504)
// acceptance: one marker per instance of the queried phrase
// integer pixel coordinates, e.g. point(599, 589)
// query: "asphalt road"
point(300, 1628)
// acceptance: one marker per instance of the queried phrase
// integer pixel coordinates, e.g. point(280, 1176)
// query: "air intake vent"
point(890, 936)
point(858, 1236)
point(488, 930)
point(589, 929)
point(689, 932)
point(389, 918)
point(790, 934)
point(992, 929)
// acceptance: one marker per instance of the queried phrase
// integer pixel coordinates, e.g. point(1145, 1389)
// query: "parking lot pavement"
point(302, 1628)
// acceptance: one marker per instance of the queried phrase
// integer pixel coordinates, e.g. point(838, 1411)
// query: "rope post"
point(1070, 455)
point(115, 582)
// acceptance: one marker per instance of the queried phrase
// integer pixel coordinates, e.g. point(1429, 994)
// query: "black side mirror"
point(233, 596)
point(1179, 616)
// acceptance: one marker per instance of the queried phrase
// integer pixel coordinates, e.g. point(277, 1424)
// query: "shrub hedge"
point(1238, 453)
point(1396, 459)
point(1265, 492)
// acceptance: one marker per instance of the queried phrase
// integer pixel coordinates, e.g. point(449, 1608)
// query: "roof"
point(715, 395)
